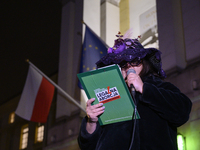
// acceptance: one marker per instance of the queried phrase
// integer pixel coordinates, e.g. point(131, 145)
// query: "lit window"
point(39, 133)
point(24, 137)
point(12, 117)
point(181, 142)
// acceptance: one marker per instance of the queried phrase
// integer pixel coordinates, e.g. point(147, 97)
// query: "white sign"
point(107, 95)
point(148, 20)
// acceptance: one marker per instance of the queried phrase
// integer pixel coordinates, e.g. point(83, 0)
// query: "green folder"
point(107, 86)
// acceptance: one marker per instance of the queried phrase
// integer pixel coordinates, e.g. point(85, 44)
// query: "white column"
point(109, 20)
point(69, 59)
point(171, 38)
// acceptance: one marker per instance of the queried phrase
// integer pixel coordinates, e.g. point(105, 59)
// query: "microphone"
point(134, 100)
point(128, 72)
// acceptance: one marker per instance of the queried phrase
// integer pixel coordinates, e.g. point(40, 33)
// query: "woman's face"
point(135, 64)
point(137, 68)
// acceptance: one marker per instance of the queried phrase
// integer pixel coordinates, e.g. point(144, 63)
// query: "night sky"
point(29, 30)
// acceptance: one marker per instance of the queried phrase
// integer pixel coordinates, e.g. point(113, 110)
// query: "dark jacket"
point(162, 108)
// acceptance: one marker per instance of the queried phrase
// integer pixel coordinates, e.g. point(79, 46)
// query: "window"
point(11, 117)
point(24, 137)
point(181, 142)
point(39, 133)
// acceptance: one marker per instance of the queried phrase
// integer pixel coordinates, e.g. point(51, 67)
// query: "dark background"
point(30, 29)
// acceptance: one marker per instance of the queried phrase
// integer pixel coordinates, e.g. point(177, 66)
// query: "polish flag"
point(36, 97)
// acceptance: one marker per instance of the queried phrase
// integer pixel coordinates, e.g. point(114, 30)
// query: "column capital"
point(63, 2)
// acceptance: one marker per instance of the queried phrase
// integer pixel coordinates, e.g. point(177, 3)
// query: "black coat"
point(162, 108)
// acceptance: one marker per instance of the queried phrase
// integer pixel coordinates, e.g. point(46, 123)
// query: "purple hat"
point(126, 50)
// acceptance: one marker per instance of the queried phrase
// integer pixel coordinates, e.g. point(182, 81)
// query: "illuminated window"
point(181, 142)
point(24, 137)
point(11, 117)
point(39, 133)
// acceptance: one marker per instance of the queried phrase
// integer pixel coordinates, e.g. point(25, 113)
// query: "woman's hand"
point(137, 82)
point(93, 111)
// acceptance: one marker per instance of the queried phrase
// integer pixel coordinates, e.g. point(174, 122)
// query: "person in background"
point(161, 105)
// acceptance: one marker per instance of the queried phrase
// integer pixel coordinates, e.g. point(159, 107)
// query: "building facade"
point(171, 26)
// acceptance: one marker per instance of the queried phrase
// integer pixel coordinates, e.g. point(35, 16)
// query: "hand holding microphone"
point(134, 81)
point(131, 85)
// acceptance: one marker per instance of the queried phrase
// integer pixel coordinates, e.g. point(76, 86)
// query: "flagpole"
point(61, 90)
point(95, 34)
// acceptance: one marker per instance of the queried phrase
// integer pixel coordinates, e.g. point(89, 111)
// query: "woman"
point(162, 107)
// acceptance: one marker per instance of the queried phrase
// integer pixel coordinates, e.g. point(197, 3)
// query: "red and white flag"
point(36, 97)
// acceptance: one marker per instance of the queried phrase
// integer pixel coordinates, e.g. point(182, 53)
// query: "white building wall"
point(91, 15)
point(136, 8)
point(109, 21)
